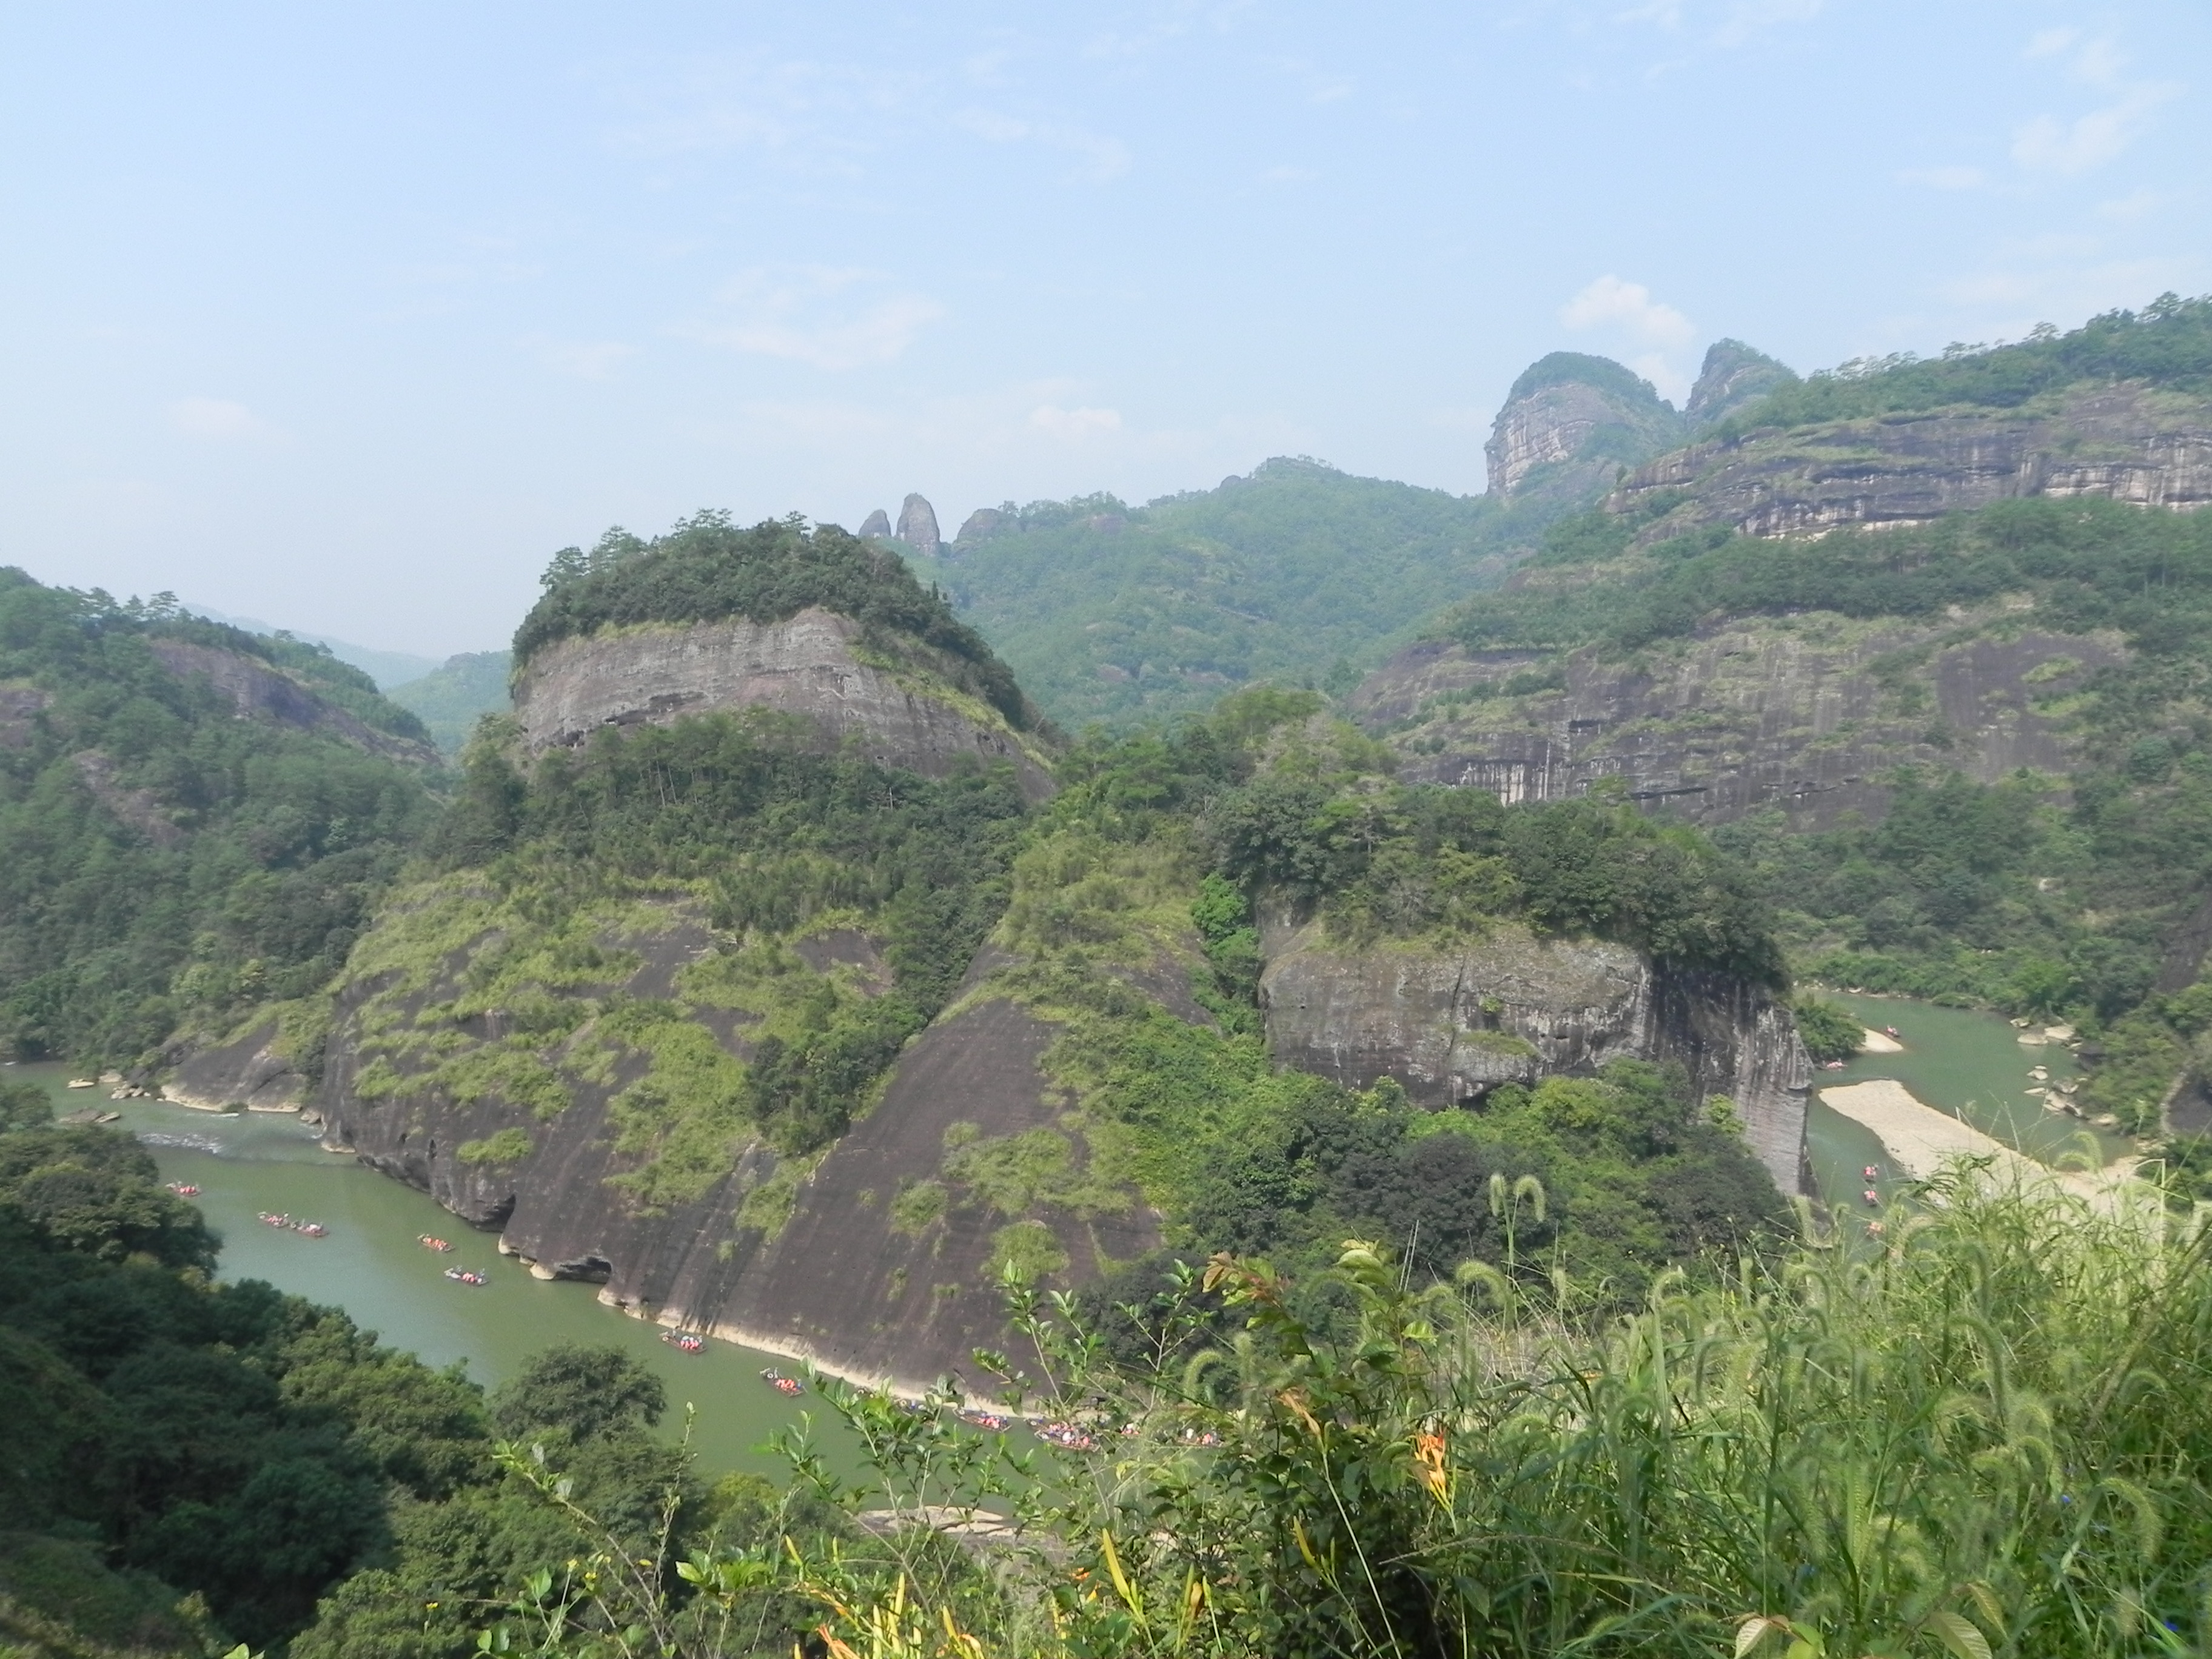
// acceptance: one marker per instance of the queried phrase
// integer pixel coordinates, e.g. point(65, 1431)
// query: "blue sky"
point(350, 316)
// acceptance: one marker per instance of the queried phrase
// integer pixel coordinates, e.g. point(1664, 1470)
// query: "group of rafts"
point(459, 1275)
point(292, 1223)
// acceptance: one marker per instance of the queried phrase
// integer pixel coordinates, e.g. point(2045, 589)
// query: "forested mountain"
point(451, 699)
point(1963, 751)
point(1299, 573)
point(195, 819)
point(1372, 1142)
point(782, 1013)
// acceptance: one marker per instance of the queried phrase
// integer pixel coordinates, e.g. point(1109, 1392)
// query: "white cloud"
point(596, 360)
point(2133, 205)
point(1748, 18)
point(2068, 149)
point(1947, 177)
point(213, 418)
point(1104, 158)
point(1610, 302)
point(1074, 423)
point(799, 315)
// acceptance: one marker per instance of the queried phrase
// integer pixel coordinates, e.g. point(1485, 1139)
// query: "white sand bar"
point(1879, 1042)
point(1920, 1140)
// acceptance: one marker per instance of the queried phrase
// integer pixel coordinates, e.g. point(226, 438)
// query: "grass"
point(1982, 1432)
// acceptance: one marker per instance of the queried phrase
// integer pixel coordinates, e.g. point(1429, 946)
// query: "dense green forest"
point(169, 863)
point(2169, 342)
point(1298, 574)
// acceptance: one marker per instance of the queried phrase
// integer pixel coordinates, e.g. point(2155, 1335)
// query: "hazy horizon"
point(349, 320)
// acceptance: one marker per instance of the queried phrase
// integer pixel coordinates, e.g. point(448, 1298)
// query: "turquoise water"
point(371, 1265)
point(1972, 1065)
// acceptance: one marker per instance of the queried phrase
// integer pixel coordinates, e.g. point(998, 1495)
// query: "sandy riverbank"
point(1879, 1042)
point(1920, 1140)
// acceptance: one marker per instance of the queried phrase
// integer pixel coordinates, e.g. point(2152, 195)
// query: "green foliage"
point(92, 1191)
point(556, 884)
point(1407, 861)
point(2167, 343)
point(1970, 893)
point(1830, 1031)
point(225, 1440)
point(508, 1145)
point(1117, 614)
point(2088, 564)
point(24, 1106)
point(450, 700)
point(1916, 1444)
point(706, 568)
point(1115, 887)
point(167, 863)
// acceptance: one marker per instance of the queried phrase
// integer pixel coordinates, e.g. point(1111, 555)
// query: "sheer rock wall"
point(1450, 1024)
point(811, 665)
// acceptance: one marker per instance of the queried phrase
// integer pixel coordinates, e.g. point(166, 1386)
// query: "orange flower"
point(1429, 1456)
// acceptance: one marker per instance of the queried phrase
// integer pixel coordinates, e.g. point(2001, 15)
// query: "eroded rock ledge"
point(811, 665)
point(1452, 1023)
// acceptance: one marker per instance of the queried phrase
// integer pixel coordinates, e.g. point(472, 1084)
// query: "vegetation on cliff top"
point(169, 863)
point(2167, 343)
point(706, 568)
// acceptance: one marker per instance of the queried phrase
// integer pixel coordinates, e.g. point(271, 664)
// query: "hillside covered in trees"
point(196, 819)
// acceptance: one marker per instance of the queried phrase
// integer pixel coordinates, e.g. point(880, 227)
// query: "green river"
point(371, 1265)
point(1971, 1065)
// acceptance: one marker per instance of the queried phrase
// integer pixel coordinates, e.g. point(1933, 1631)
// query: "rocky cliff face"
point(258, 691)
point(2127, 442)
point(876, 1260)
point(1806, 713)
point(917, 525)
point(1451, 1024)
point(813, 665)
point(1569, 425)
point(1734, 375)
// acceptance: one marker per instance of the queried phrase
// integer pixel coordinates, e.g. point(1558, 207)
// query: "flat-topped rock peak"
point(813, 665)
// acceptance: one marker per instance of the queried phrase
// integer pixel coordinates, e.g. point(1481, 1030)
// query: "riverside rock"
point(1450, 1024)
